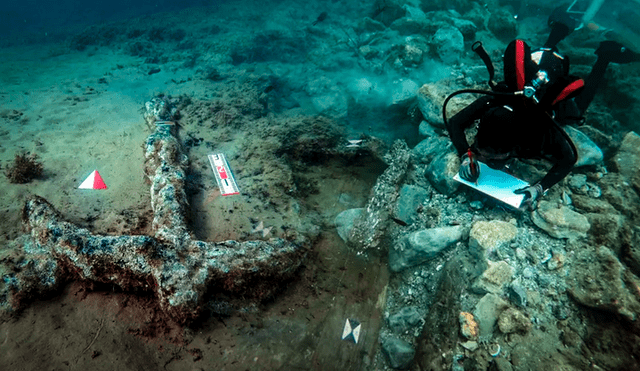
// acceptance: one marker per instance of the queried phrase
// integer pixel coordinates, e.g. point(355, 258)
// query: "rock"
point(503, 364)
point(414, 12)
point(399, 352)
point(468, 326)
point(560, 222)
point(409, 26)
point(409, 200)
point(606, 230)
point(597, 279)
point(404, 90)
point(627, 160)
point(517, 294)
point(486, 237)
point(512, 320)
point(345, 220)
point(603, 141)
point(449, 44)
point(431, 96)
point(441, 170)
point(422, 246)
point(556, 262)
point(617, 190)
point(503, 25)
point(592, 205)
point(578, 183)
point(588, 152)
point(432, 147)
point(478, 15)
point(467, 28)
point(426, 130)
point(327, 98)
point(631, 250)
point(493, 278)
point(408, 54)
point(406, 319)
point(470, 345)
point(486, 314)
point(369, 25)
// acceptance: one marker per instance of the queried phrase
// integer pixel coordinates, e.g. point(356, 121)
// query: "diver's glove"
point(469, 169)
point(531, 194)
point(616, 52)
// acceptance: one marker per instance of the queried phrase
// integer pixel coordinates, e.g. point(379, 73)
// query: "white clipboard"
point(497, 184)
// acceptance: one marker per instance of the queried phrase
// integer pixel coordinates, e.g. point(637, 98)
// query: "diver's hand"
point(469, 169)
point(531, 195)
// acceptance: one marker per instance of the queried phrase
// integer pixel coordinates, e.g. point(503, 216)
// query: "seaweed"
point(24, 169)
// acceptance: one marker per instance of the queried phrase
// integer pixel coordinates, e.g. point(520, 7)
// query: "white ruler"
point(224, 177)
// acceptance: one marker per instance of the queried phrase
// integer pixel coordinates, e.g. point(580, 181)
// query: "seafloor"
point(281, 89)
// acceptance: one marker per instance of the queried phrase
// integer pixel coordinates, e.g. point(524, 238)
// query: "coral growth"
point(25, 168)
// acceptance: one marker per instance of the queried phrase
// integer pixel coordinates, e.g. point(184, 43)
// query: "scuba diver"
point(521, 117)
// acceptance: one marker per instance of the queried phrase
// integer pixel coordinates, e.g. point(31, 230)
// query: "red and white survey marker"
point(224, 177)
point(93, 181)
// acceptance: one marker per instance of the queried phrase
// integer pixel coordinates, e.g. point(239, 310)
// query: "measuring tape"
point(224, 177)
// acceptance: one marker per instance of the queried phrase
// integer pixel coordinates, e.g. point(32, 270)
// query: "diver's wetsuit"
point(513, 128)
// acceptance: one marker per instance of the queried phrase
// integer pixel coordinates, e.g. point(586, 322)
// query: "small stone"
point(405, 319)
point(486, 314)
point(409, 200)
point(494, 278)
point(593, 190)
point(399, 352)
point(344, 222)
point(578, 182)
point(426, 130)
point(422, 246)
point(556, 262)
point(468, 326)
point(487, 237)
point(518, 295)
point(528, 273)
point(476, 205)
point(512, 320)
point(441, 170)
point(470, 345)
